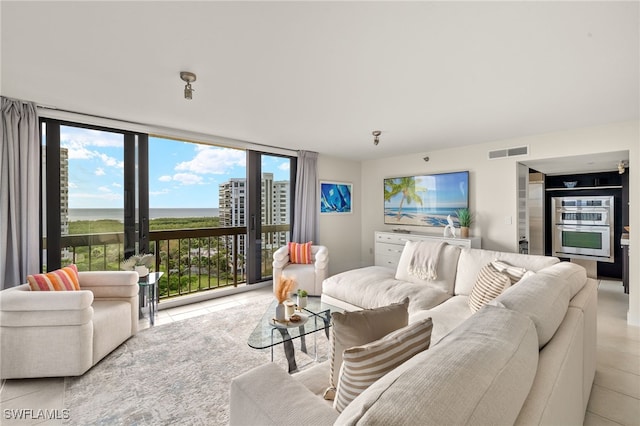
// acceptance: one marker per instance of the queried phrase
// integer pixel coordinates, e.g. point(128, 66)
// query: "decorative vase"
point(280, 312)
point(302, 302)
point(464, 231)
point(142, 271)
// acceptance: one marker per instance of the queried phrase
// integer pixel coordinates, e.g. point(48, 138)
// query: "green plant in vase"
point(465, 218)
point(302, 299)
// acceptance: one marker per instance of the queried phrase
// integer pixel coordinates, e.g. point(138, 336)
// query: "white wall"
point(493, 185)
point(341, 233)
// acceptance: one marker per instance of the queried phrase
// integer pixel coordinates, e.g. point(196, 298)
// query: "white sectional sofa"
point(527, 357)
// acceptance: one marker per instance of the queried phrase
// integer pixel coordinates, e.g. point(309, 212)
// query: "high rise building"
point(274, 209)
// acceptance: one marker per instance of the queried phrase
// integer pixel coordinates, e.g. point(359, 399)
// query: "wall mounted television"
point(425, 200)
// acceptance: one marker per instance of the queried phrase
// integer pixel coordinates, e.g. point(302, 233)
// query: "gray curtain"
point(306, 209)
point(19, 192)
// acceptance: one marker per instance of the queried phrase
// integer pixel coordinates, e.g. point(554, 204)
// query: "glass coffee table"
point(268, 334)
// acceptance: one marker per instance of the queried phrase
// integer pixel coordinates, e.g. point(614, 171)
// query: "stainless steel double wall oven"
point(583, 227)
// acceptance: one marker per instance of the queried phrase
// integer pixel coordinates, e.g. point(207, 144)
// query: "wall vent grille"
point(509, 152)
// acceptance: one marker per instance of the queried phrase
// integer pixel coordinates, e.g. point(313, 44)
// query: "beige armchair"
point(64, 333)
point(307, 277)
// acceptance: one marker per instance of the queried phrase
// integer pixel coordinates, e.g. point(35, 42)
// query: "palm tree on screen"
point(405, 186)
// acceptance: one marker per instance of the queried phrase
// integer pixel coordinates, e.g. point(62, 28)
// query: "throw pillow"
point(300, 252)
point(515, 273)
point(489, 285)
point(364, 365)
point(357, 328)
point(65, 279)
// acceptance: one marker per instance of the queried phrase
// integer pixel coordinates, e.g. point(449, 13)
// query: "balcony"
point(193, 260)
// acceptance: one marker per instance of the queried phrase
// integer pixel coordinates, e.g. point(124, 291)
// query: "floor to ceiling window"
point(89, 195)
point(211, 215)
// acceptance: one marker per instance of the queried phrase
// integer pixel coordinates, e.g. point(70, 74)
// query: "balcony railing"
point(193, 260)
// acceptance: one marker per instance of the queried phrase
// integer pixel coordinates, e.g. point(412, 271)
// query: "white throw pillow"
point(364, 365)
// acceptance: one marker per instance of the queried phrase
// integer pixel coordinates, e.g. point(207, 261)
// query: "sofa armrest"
point(267, 395)
point(110, 284)
point(22, 299)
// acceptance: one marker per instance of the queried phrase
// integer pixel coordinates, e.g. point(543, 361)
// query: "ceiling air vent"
point(508, 152)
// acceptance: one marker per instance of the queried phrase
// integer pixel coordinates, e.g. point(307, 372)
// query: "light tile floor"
point(615, 397)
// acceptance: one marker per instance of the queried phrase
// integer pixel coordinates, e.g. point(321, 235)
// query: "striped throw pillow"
point(65, 279)
point(364, 365)
point(489, 285)
point(300, 252)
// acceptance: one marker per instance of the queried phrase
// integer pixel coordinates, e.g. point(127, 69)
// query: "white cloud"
point(72, 185)
point(110, 161)
point(213, 160)
point(285, 166)
point(90, 137)
point(165, 178)
point(116, 185)
point(187, 178)
point(100, 171)
point(104, 189)
point(161, 192)
point(111, 196)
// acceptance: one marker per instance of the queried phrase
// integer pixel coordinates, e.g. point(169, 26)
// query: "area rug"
point(174, 374)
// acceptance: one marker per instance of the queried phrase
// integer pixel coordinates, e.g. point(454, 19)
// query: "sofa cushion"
point(64, 279)
point(446, 316)
point(363, 365)
point(481, 373)
point(375, 286)
point(472, 260)
point(300, 253)
point(446, 267)
point(489, 285)
point(356, 328)
point(542, 297)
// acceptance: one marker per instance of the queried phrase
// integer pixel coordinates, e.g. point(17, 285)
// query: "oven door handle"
point(583, 228)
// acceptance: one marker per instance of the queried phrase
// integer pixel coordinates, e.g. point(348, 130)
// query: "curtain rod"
point(49, 111)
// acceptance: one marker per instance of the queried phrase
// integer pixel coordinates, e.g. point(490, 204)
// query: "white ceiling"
point(322, 76)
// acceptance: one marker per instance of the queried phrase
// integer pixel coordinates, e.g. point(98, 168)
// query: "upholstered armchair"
point(64, 333)
point(307, 277)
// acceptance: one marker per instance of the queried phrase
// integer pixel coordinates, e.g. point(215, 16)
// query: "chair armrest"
point(281, 256)
point(22, 299)
point(322, 258)
point(110, 284)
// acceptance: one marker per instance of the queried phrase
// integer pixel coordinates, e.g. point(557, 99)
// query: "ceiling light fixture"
point(188, 77)
point(621, 167)
point(376, 137)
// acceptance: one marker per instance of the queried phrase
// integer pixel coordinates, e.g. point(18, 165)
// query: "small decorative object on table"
point(283, 288)
point(450, 229)
point(302, 299)
point(139, 263)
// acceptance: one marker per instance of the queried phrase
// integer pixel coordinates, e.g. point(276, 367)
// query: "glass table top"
point(267, 335)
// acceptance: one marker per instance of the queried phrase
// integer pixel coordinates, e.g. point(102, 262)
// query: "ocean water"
point(423, 210)
point(118, 214)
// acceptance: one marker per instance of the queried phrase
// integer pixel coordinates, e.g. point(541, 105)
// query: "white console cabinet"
point(389, 245)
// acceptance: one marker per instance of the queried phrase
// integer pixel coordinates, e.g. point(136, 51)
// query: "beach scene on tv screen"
point(425, 200)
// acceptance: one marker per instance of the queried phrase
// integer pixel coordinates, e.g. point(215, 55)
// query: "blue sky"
point(181, 174)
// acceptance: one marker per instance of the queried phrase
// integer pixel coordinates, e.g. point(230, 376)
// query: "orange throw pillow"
point(300, 252)
point(65, 279)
